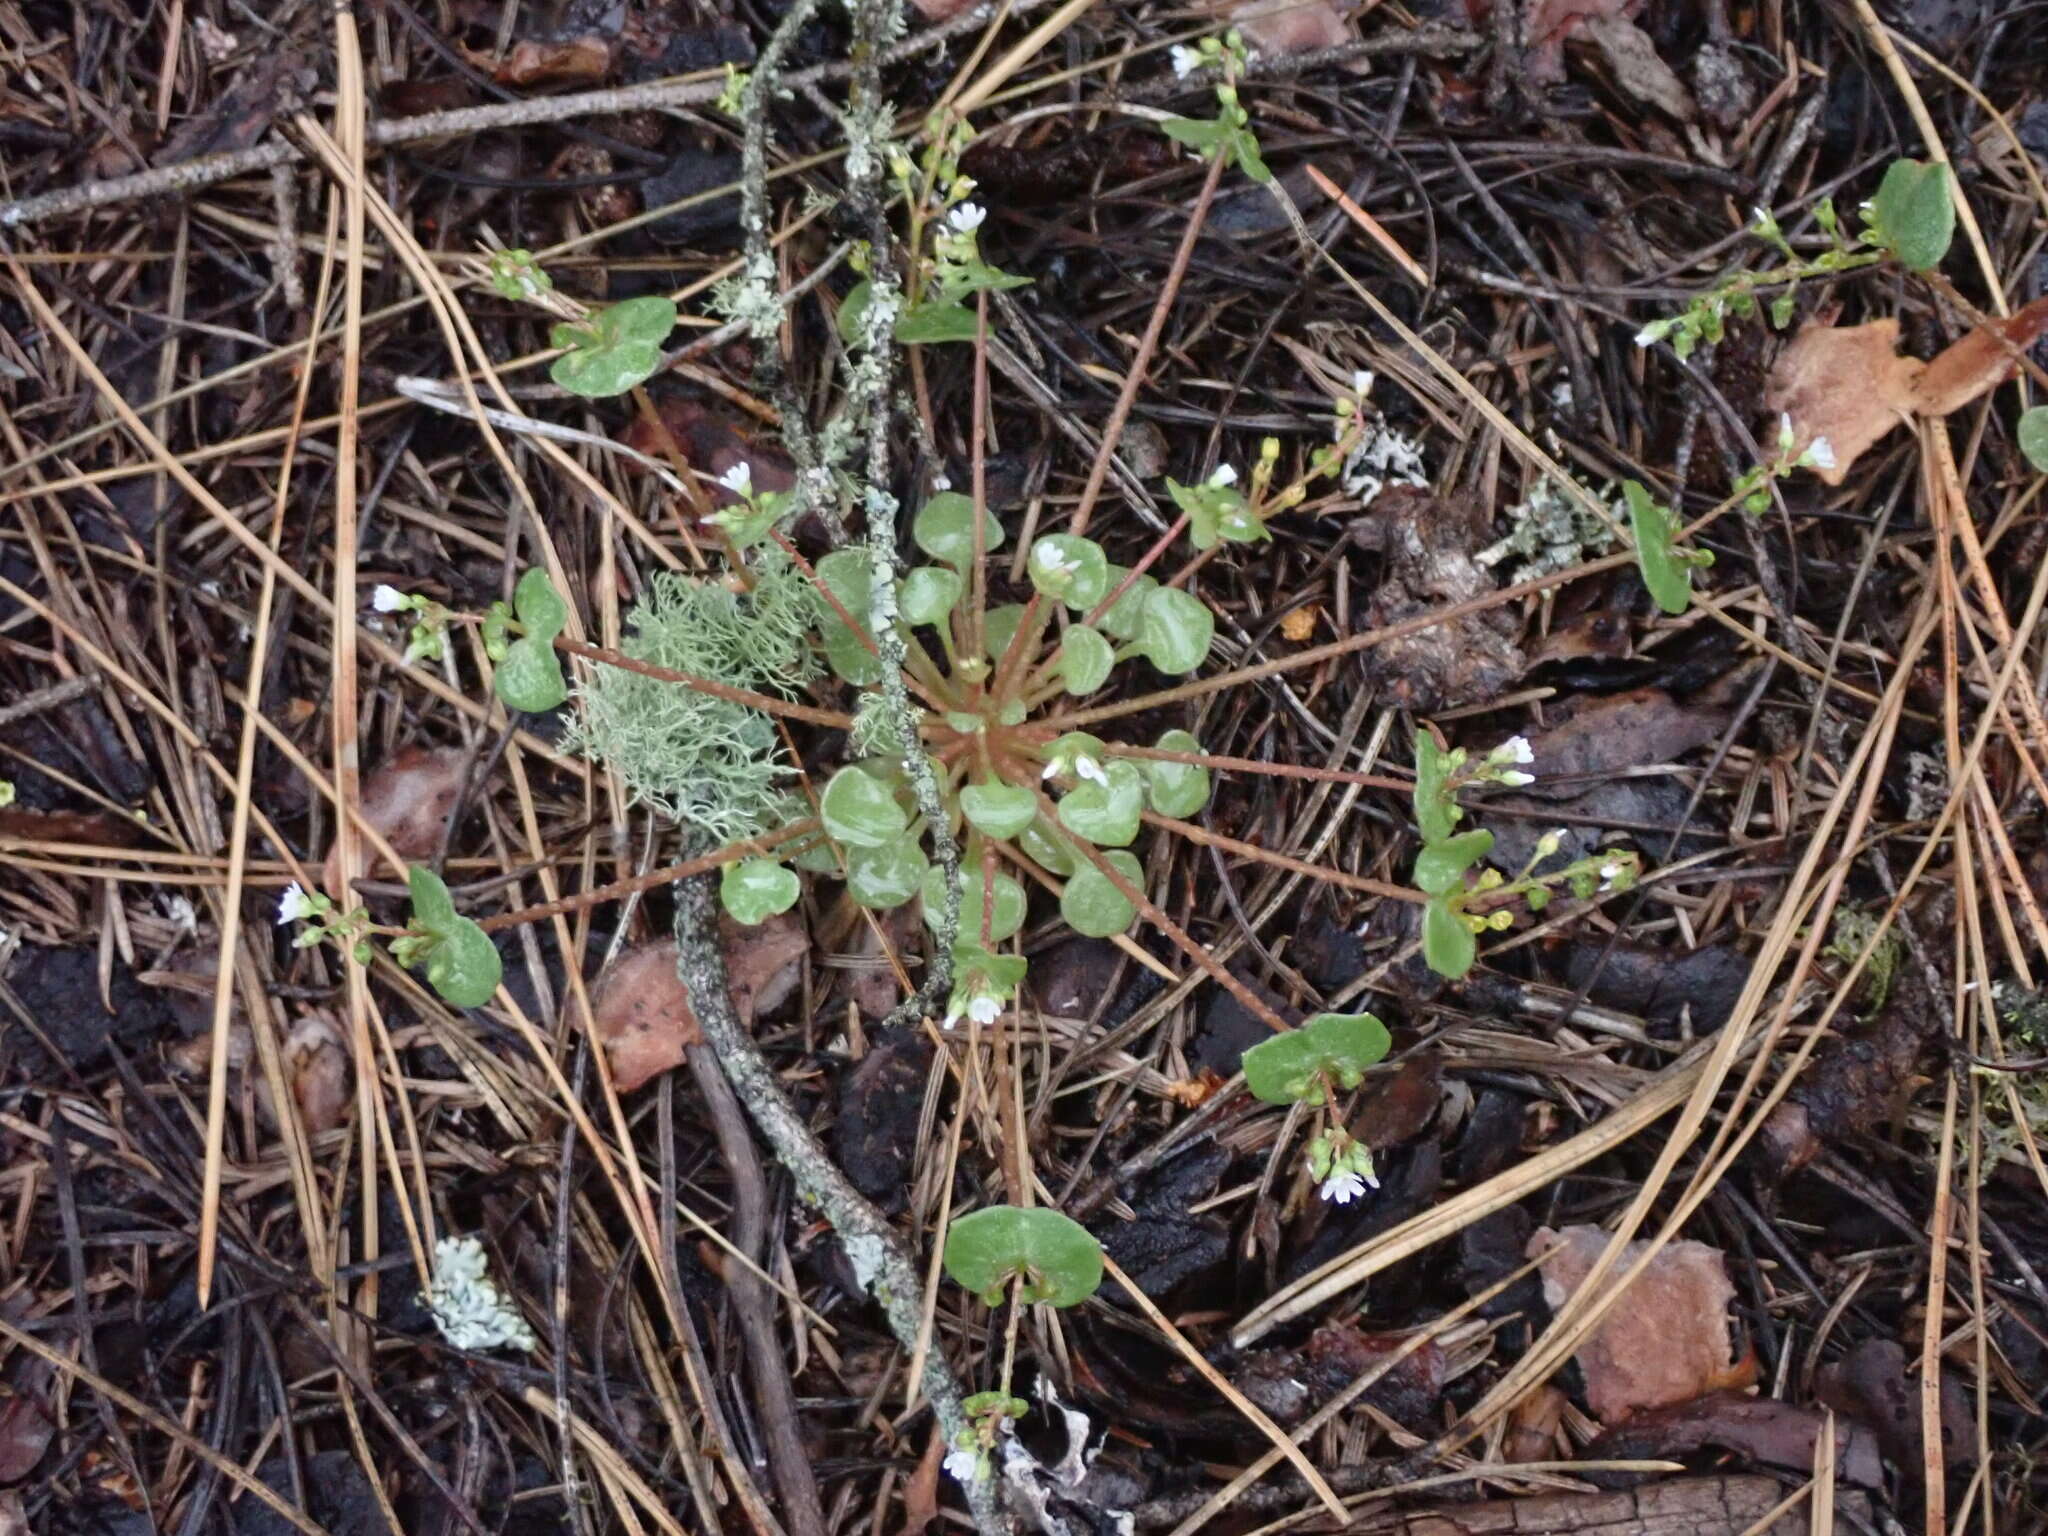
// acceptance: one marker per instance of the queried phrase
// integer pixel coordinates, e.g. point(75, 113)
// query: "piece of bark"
point(1430, 543)
point(1683, 1506)
point(1760, 1428)
point(1858, 1082)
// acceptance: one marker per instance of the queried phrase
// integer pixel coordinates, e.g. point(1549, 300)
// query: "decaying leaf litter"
point(1780, 1102)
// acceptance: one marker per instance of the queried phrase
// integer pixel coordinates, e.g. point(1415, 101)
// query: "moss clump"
point(709, 763)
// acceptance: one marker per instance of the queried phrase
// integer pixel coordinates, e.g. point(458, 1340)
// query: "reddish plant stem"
point(1252, 851)
point(618, 889)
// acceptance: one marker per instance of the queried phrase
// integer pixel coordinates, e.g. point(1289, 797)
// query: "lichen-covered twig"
point(871, 1244)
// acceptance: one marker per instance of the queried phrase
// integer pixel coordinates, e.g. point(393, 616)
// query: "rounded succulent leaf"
point(463, 965)
point(1058, 1259)
point(1174, 630)
point(849, 657)
point(1914, 216)
point(1448, 944)
point(928, 594)
point(754, 890)
point(1124, 617)
point(860, 810)
point(615, 348)
point(1085, 659)
point(1092, 905)
point(1106, 813)
point(1284, 1069)
point(944, 529)
point(2033, 437)
point(1048, 848)
point(1006, 917)
point(882, 879)
point(998, 810)
point(1176, 789)
point(1441, 866)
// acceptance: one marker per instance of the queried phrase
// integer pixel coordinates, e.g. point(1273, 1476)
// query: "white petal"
point(966, 219)
point(985, 1009)
point(1185, 60)
point(292, 905)
point(388, 599)
point(739, 479)
point(963, 1465)
point(1225, 475)
point(1362, 382)
point(1820, 453)
point(1085, 767)
point(1052, 769)
point(1511, 777)
point(1516, 749)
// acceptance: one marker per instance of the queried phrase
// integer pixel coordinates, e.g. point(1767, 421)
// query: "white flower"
point(1786, 436)
point(739, 479)
point(1820, 454)
point(1047, 558)
point(964, 1465)
point(984, 1008)
point(1653, 333)
point(1515, 749)
point(1085, 767)
point(1225, 475)
point(388, 599)
point(293, 905)
point(1514, 779)
point(1342, 1186)
point(1362, 382)
point(941, 483)
point(1186, 60)
point(966, 219)
point(1053, 768)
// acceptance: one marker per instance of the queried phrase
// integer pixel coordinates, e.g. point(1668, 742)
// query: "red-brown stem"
point(703, 864)
point(766, 703)
point(923, 686)
point(1145, 563)
point(977, 458)
point(1253, 1003)
point(1254, 765)
point(1252, 851)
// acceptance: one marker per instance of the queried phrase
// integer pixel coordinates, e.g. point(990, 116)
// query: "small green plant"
point(427, 640)
point(1460, 909)
point(462, 963)
point(521, 640)
point(987, 1413)
point(1309, 1065)
point(1666, 568)
point(1911, 220)
point(1228, 135)
point(610, 350)
point(1853, 930)
point(1053, 1258)
point(1754, 487)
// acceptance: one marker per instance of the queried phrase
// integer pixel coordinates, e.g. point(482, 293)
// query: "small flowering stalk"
point(1341, 1165)
point(428, 638)
point(758, 511)
point(1455, 914)
point(324, 921)
point(988, 1417)
point(1228, 135)
point(1755, 486)
point(1217, 511)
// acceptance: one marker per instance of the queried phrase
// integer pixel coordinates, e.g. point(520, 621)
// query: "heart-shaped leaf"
point(1332, 1047)
point(1092, 905)
point(1441, 866)
point(463, 965)
point(944, 529)
point(1048, 848)
point(882, 879)
point(1006, 915)
point(1174, 630)
point(1070, 568)
point(615, 348)
point(1176, 789)
point(861, 811)
point(928, 594)
point(1106, 813)
point(1913, 215)
point(754, 890)
point(1085, 659)
point(529, 677)
point(998, 810)
point(1448, 944)
point(1057, 1259)
point(1124, 617)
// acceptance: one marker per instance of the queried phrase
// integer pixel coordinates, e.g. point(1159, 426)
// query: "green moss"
point(712, 764)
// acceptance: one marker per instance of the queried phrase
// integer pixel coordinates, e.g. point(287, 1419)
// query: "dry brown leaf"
point(1278, 28)
point(1549, 24)
point(1536, 1428)
point(316, 1064)
point(1846, 383)
point(1666, 1341)
point(1638, 70)
point(1979, 363)
point(581, 60)
point(408, 798)
point(641, 1010)
point(921, 1490)
point(1849, 385)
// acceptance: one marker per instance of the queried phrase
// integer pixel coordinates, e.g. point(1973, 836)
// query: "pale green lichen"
point(468, 1307)
point(1550, 530)
point(713, 764)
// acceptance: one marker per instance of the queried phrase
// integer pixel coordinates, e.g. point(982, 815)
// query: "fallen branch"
point(878, 1258)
